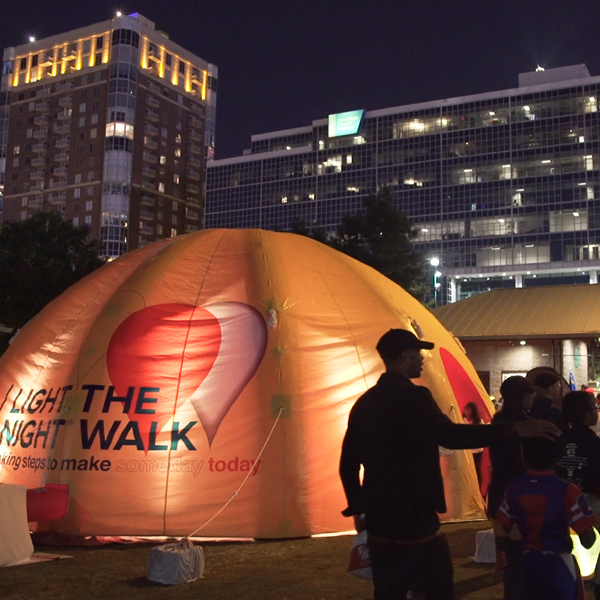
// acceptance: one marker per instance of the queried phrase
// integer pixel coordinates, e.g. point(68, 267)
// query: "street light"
point(434, 261)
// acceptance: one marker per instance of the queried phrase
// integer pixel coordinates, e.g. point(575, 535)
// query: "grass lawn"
point(302, 569)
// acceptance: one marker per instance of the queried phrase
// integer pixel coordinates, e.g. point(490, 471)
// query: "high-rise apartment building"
point(111, 125)
point(503, 187)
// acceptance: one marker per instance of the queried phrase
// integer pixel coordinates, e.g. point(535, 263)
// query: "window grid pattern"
point(491, 184)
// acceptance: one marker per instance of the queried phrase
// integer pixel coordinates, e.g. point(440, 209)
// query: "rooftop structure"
point(110, 124)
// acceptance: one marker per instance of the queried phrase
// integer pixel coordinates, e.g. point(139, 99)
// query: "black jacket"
point(394, 431)
point(505, 456)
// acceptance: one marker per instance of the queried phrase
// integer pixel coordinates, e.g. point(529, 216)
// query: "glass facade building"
point(503, 187)
point(110, 125)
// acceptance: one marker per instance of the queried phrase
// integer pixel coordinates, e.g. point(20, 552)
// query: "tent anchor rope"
point(234, 495)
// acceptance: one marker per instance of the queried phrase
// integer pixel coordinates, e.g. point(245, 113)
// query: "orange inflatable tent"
point(151, 386)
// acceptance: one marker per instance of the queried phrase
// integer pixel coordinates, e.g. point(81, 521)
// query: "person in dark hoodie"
point(580, 462)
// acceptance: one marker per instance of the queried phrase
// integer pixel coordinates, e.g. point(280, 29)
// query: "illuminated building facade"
point(111, 125)
point(503, 187)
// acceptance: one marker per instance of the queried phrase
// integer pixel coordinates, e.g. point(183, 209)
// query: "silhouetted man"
point(394, 431)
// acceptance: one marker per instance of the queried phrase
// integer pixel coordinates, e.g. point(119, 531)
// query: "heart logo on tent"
point(180, 348)
point(462, 385)
point(465, 391)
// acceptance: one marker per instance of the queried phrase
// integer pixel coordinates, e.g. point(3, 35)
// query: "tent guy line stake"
point(245, 478)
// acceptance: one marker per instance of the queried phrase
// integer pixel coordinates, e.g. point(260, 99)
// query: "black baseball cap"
point(396, 341)
point(515, 387)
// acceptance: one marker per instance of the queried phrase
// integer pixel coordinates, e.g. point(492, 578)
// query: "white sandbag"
point(485, 546)
point(16, 546)
point(175, 563)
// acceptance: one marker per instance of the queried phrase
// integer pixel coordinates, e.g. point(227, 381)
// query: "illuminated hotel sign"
point(346, 123)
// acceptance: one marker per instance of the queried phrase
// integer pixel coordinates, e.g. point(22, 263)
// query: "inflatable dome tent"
point(151, 386)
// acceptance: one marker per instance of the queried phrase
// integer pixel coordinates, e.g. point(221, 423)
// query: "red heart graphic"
point(243, 345)
point(168, 346)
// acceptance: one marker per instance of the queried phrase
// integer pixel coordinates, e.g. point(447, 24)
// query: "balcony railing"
point(59, 200)
point(65, 86)
point(149, 157)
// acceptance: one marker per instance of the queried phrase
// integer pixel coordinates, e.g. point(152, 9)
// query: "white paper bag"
point(360, 560)
point(175, 563)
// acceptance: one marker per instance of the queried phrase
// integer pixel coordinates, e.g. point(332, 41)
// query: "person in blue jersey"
point(543, 507)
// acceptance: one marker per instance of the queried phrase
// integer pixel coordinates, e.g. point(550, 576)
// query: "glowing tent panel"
point(151, 386)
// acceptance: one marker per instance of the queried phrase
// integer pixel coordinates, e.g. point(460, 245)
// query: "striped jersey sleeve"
point(505, 516)
point(580, 515)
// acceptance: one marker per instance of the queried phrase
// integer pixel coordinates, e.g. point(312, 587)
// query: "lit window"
point(161, 187)
point(117, 129)
point(173, 232)
point(163, 159)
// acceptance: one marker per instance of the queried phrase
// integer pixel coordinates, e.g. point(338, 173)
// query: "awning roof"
point(550, 311)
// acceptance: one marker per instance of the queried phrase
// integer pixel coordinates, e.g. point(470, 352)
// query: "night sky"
point(283, 65)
